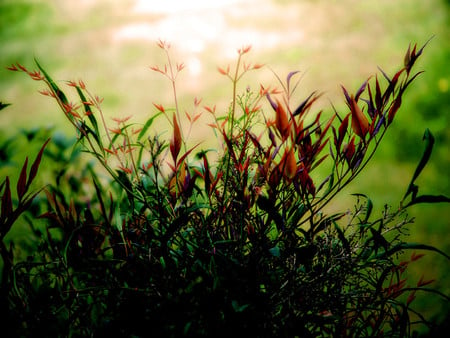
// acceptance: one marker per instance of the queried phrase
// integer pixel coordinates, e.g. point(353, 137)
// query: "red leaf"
point(422, 282)
point(415, 257)
point(21, 183)
point(175, 143)
point(35, 165)
point(394, 108)
point(349, 150)
point(407, 58)
point(281, 121)
point(12, 68)
point(342, 131)
point(360, 124)
point(159, 107)
point(305, 180)
point(51, 198)
point(411, 297)
point(224, 71)
point(289, 164)
point(6, 200)
point(176, 183)
point(378, 99)
point(275, 177)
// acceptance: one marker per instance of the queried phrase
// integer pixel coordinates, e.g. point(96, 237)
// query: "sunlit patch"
point(199, 26)
point(194, 66)
point(443, 85)
point(173, 6)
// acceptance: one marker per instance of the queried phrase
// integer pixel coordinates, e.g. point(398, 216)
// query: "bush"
point(178, 240)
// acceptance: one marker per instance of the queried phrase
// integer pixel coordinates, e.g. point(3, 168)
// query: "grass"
point(335, 43)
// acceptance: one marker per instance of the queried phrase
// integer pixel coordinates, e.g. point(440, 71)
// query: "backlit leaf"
point(360, 124)
point(175, 143)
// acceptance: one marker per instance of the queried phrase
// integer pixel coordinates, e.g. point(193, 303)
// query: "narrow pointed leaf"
point(4, 105)
point(342, 131)
point(429, 142)
point(52, 84)
point(347, 96)
point(100, 198)
point(393, 110)
point(36, 163)
point(21, 183)
point(407, 57)
point(304, 105)
point(6, 200)
point(360, 124)
point(289, 77)
point(378, 96)
point(410, 246)
point(290, 164)
point(429, 199)
point(175, 143)
point(360, 90)
point(369, 208)
point(282, 121)
point(88, 110)
point(148, 125)
point(342, 238)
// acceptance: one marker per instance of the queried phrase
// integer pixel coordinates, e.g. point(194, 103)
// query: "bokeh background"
point(110, 44)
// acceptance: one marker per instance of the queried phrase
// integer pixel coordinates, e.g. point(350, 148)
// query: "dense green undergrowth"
point(163, 237)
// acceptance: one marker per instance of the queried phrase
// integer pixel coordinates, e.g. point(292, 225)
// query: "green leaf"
point(99, 193)
point(125, 182)
point(238, 308)
point(275, 251)
point(429, 142)
point(4, 105)
point(163, 262)
point(342, 238)
point(429, 199)
point(52, 84)
point(297, 214)
point(147, 125)
point(369, 208)
point(410, 246)
point(90, 115)
point(379, 240)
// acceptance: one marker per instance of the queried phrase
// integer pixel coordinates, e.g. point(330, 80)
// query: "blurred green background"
point(111, 44)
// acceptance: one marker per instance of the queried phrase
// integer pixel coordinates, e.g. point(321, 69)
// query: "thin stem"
point(172, 79)
point(233, 103)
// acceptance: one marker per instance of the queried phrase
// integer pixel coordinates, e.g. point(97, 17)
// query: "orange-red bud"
point(175, 143)
point(360, 124)
point(282, 121)
point(289, 164)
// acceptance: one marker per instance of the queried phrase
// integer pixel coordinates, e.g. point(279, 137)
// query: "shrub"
point(178, 240)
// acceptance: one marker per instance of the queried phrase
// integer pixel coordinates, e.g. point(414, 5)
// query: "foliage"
point(179, 240)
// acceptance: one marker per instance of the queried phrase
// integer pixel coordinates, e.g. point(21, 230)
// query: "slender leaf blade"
point(21, 183)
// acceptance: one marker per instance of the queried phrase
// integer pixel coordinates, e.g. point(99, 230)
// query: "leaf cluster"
point(178, 242)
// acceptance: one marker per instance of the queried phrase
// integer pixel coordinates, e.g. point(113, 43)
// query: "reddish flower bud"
point(289, 164)
point(282, 121)
point(175, 143)
point(360, 124)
